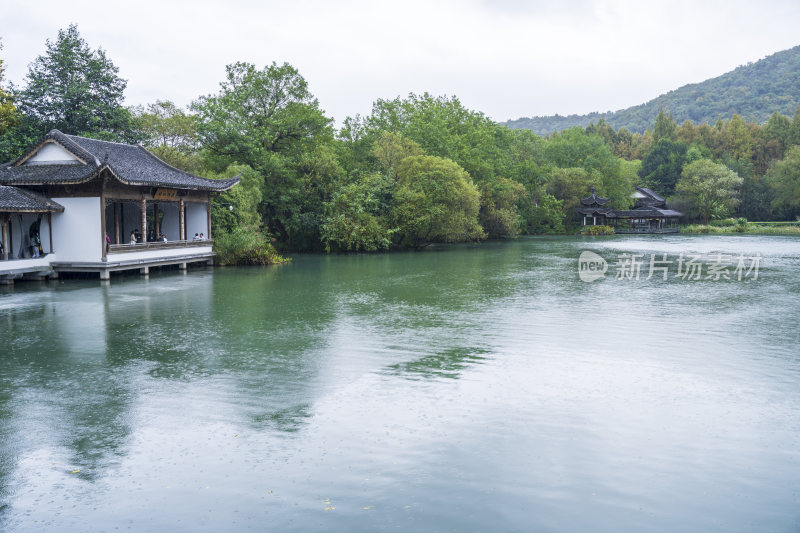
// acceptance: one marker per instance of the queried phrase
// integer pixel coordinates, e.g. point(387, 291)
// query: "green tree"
point(569, 185)
point(391, 148)
point(779, 129)
point(665, 126)
point(355, 216)
point(74, 89)
point(662, 166)
point(170, 133)
point(8, 112)
point(784, 181)
point(794, 132)
point(499, 214)
point(545, 216)
point(711, 189)
point(443, 127)
point(238, 207)
point(574, 148)
point(268, 119)
point(737, 142)
point(435, 201)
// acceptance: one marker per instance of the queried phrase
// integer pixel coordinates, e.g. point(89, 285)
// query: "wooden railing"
point(646, 230)
point(144, 246)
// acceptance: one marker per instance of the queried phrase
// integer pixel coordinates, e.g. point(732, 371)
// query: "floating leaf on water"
point(368, 507)
point(330, 508)
point(74, 471)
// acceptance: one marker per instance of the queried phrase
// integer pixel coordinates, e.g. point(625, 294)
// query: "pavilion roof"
point(593, 199)
point(16, 200)
point(646, 212)
point(130, 164)
point(650, 193)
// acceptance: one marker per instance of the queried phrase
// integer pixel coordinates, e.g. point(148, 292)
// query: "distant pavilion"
point(650, 213)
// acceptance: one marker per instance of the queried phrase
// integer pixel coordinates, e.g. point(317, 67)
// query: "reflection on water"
point(446, 364)
point(468, 387)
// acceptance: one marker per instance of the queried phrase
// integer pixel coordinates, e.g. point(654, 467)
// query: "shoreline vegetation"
point(245, 246)
point(742, 226)
point(728, 226)
point(416, 170)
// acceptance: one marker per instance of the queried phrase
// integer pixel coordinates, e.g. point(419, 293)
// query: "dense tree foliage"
point(8, 112)
point(784, 181)
point(268, 119)
point(71, 88)
point(74, 88)
point(755, 91)
point(710, 189)
point(415, 171)
point(435, 201)
point(170, 133)
point(662, 166)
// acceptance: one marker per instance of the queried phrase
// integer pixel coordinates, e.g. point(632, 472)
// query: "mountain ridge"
point(754, 91)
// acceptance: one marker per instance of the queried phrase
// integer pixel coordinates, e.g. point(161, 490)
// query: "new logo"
point(591, 266)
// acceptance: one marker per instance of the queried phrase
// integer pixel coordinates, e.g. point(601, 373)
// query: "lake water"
point(464, 388)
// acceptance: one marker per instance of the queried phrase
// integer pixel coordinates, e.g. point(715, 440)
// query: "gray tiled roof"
point(646, 212)
point(594, 199)
point(130, 164)
point(16, 200)
point(650, 193)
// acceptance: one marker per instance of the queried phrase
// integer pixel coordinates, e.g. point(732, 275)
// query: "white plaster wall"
point(76, 231)
point(52, 152)
point(170, 223)
point(44, 234)
point(159, 254)
point(196, 219)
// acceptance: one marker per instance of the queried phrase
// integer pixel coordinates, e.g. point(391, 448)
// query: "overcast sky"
point(506, 58)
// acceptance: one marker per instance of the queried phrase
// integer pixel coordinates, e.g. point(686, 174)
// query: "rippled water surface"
point(467, 388)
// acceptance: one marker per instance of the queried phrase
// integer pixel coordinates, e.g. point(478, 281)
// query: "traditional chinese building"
point(593, 210)
point(73, 204)
point(650, 214)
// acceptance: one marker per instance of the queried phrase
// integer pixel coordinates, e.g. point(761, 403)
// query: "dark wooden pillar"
point(181, 220)
point(156, 225)
point(208, 216)
point(144, 219)
point(50, 228)
point(103, 223)
point(116, 223)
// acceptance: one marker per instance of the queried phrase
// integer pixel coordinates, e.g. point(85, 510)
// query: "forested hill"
point(753, 91)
